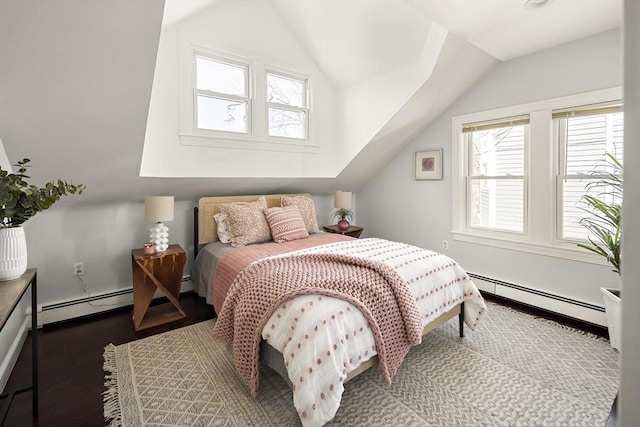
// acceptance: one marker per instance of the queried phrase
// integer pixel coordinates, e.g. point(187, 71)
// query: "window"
point(222, 95)
point(233, 101)
point(519, 172)
point(496, 174)
point(585, 136)
point(287, 106)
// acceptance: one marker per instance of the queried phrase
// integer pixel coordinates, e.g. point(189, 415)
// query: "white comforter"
point(325, 355)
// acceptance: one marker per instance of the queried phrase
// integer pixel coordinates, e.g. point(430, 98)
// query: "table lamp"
point(157, 210)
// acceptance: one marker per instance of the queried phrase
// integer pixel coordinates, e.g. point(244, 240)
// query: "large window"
point(585, 136)
point(496, 174)
point(519, 173)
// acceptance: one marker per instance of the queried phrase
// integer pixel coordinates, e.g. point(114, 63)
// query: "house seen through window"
point(496, 175)
point(585, 136)
point(520, 172)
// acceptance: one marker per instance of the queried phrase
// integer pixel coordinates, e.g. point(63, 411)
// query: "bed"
point(319, 338)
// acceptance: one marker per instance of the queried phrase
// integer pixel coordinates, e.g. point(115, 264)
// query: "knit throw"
point(374, 288)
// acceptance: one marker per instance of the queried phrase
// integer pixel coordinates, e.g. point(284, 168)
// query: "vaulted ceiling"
point(76, 77)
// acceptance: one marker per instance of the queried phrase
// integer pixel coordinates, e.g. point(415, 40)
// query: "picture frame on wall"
point(428, 164)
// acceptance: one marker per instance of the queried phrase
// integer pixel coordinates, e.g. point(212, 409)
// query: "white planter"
point(613, 309)
point(13, 253)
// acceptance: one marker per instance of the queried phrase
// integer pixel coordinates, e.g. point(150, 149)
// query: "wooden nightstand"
point(353, 230)
point(161, 271)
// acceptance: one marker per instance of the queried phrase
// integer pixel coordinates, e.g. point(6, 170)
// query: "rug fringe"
point(112, 410)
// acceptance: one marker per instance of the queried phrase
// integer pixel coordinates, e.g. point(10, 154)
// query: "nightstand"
point(160, 271)
point(353, 230)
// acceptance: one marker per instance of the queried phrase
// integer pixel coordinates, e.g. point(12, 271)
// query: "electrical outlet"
point(445, 244)
point(78, 269)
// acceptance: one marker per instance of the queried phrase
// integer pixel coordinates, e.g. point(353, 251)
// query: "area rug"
point(513, 370)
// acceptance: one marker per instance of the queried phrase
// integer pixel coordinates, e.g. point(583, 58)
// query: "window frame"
point(257, 137)
point(470, 178)
point(560, 133)
point(305, 108)
point(248, 98)
point(540, 235)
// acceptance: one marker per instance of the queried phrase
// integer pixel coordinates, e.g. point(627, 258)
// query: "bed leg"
point(461, 320)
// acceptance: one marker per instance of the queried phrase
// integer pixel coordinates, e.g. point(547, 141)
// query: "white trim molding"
point(563, 306)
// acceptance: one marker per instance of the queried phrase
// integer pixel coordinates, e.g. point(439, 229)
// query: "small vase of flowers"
point(344, 216)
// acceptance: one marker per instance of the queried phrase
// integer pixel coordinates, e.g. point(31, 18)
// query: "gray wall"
point(395, 206)
point(102, 237)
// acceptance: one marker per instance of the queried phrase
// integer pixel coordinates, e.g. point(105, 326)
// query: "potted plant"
point(604, 224)
point(20, 201)
point(344, 215)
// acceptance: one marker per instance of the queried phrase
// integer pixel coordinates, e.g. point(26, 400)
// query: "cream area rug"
point(513, 370)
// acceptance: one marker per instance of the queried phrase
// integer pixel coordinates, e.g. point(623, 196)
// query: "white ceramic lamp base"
point(159, 234)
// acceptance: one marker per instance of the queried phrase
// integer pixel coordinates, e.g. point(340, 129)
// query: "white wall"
point(252, 30)
point(393, 205)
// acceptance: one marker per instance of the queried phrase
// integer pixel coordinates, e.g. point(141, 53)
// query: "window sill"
point(557, 251)
point(249, 144)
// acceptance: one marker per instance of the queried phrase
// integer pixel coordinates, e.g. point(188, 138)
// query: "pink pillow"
point(286, 224)
point(246, 221)
point(307, 210)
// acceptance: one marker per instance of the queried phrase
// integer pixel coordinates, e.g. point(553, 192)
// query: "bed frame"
point(206, 231)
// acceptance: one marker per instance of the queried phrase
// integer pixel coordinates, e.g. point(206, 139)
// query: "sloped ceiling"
point(354, 41)
point(76, 77)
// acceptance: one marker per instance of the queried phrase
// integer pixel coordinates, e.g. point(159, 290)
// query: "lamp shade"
point(342, 200)
point(158, 208)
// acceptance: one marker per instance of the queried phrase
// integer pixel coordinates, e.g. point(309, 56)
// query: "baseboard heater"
point(94, 304)
point(563, 306)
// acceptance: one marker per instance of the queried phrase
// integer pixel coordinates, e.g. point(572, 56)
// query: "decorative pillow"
point(307, 210)
point(247, 223)
point(286, 224)
point(223, 227)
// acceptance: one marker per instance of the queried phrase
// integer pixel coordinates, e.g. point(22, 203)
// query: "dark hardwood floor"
point(70, 360)
point(71, 357)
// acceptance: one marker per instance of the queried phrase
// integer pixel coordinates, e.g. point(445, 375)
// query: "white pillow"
point(223, 228)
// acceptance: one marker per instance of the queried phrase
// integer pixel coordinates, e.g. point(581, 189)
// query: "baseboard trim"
point(560, 305)
point(95, 304)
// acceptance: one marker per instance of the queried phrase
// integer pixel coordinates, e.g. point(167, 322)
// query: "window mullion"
point(218, 95)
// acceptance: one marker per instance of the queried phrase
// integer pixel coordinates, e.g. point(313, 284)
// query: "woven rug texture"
point(513, 370)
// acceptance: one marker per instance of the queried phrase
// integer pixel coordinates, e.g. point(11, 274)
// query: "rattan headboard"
point(207, 231)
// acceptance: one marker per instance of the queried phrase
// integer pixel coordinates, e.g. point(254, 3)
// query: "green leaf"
point(20, 201)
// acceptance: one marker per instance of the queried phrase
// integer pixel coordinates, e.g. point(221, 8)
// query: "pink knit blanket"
point(376, 289)
point(233, 262)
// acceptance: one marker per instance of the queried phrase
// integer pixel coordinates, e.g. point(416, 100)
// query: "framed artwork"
point(428, 164)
